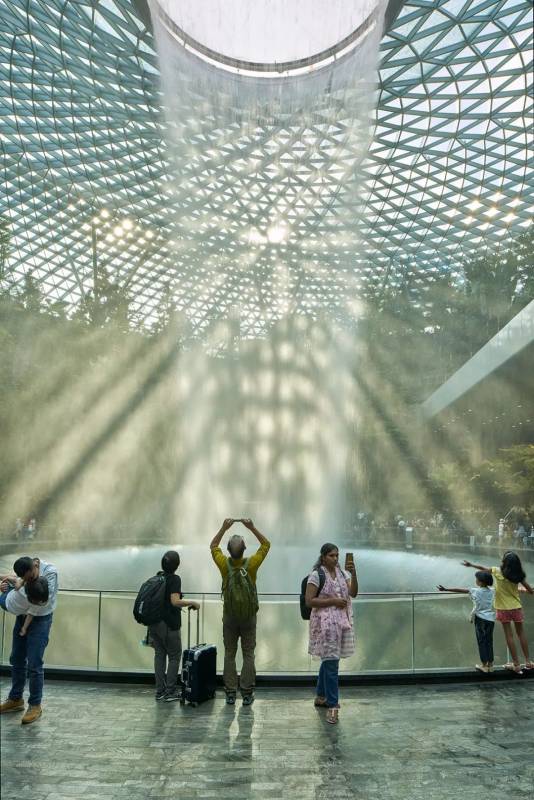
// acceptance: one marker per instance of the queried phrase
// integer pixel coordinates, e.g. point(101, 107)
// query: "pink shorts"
point(510, 615)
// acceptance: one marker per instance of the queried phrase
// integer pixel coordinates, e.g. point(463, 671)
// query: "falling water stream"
point(265, 169)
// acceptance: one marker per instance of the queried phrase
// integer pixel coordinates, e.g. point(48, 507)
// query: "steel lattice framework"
point(85, 165)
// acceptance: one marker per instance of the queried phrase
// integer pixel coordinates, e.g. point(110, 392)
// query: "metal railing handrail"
point(99, 594)
point(260, 594)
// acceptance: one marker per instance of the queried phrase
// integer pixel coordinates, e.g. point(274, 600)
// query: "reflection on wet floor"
point(396, 743)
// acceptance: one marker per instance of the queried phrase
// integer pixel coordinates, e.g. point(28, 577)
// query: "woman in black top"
point(165, 635)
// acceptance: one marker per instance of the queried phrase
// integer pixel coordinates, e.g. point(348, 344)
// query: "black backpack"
point(149, 604)
point(305, 611)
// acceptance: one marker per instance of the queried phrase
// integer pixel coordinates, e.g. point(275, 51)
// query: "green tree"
point(108, 304)
point(511, 474)
point(31, 297)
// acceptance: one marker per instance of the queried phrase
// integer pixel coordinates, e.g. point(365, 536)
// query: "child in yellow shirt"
point(508, 578)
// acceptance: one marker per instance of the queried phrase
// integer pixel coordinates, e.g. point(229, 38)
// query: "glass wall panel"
point(383, 630)
point(74, 634)
point(393, 634)
point(444, 637)
point(121, 636)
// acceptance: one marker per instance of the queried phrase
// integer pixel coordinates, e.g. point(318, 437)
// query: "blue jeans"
point(26, 657)
point(327, 683)
point(3, 597)
point(484, 633)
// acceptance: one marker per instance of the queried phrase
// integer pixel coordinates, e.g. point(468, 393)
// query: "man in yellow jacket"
point(240, 607)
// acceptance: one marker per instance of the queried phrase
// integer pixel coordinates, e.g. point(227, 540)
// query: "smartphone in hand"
point(349, 561)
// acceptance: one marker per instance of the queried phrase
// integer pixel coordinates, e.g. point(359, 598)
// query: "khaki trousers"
point(167, 653)
point(233, 630)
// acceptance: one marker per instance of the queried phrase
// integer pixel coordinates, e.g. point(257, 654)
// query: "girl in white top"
point(483, 615)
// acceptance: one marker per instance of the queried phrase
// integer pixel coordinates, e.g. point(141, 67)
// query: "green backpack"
point(239, 593)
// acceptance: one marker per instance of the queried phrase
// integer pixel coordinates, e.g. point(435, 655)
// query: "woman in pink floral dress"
point(331, 628)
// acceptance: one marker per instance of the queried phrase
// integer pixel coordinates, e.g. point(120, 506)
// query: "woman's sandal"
point(513, 668)
point(320, 702)
point(332, 716)
point(529, 665)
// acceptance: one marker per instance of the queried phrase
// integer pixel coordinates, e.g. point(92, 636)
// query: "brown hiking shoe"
point(11, 705)
point(32, 713)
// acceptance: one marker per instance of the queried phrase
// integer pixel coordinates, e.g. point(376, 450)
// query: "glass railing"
point(409, 632)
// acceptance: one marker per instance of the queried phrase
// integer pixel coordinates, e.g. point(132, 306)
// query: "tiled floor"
point(446, 742)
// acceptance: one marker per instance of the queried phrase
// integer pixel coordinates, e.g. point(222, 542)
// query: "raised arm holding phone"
point(240, 606)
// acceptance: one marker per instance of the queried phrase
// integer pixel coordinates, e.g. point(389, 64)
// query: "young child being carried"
point(483, 615)
point(14, 601)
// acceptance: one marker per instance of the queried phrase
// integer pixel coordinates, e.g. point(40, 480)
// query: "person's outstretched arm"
point(456, 591)
point(181, 602)
point(476, 566)
point(257, 558)
point(215, 542)
point(528, 587)
point(259, 536)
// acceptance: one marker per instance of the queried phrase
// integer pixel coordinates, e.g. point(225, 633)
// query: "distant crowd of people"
point(441, 527)
point(25, 529)
point(30, 593)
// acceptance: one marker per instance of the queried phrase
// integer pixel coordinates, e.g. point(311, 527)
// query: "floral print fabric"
point(331, 629)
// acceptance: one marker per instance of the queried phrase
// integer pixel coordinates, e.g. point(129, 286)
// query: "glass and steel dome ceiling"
point(82, 138)
point(268, 38)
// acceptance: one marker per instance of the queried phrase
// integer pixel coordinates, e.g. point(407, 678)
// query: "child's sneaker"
point(482, 668)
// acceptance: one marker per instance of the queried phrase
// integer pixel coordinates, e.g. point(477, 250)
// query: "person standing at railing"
point(240, 607)
point(165, 635)
point(19, 527)
point(331, 624)
point(27, 652)
point(483, 616)
point(508, 579)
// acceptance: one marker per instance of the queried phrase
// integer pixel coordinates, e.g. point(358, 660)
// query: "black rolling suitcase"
point(199, 669)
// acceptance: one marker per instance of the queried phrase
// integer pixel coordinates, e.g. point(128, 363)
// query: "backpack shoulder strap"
point(322, 579)
point(232, 568)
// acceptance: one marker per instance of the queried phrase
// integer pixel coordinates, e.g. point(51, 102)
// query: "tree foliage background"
point(60, 369)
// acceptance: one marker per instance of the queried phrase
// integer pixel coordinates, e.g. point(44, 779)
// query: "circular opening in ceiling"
point(269, 37)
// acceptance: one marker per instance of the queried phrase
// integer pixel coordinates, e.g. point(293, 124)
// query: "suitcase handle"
point(189, 627)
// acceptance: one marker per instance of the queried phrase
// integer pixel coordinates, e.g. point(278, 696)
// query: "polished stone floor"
point(103, 742)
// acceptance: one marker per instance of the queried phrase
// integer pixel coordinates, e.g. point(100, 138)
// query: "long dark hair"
point(325, 549)
point(511, 567)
